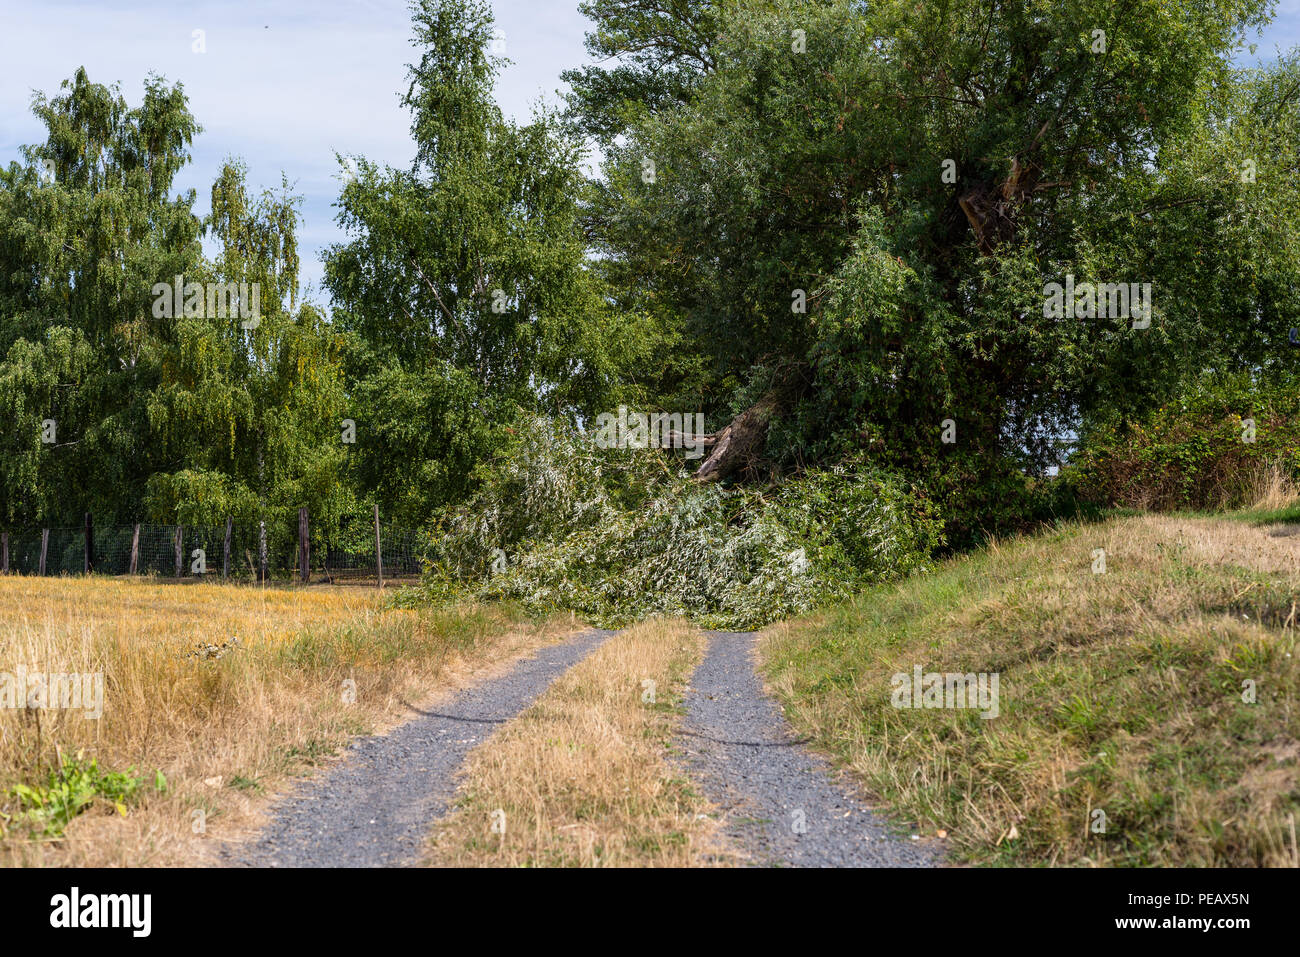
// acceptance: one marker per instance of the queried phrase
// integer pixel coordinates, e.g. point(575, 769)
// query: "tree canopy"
point(854, 223)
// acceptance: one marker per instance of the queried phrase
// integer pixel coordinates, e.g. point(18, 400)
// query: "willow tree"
point(125, 394)
point(87, 224)
point(249, 410)
point(856, 209)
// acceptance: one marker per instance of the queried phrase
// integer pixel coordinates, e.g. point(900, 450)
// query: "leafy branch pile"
point(619, 534)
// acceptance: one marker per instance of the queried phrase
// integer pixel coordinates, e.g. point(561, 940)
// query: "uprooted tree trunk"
point(739, 445)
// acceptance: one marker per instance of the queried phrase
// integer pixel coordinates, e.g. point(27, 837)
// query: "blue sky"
point(284, 84)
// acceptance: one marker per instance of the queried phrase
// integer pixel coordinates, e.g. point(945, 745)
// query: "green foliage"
point(618, 535)
point(467, 290)
point(778, 169)
point(659, 52)
point(436, 421)
point(187, 416)
point(253, 413)
point(1191, 452)
point(71, 789)
point(87, 225)
point(858, 524)
point(473, 256)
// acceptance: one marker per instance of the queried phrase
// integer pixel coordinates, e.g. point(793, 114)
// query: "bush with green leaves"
point(1199, 451)
point(619, 534)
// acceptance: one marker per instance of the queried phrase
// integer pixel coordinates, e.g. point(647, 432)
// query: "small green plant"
point(241, 783)
point(72, 788)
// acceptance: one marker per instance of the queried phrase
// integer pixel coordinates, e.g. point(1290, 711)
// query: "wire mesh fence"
point(355, 548)
point(349, 551)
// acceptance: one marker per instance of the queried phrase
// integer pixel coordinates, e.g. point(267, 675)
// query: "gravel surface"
point(375, 808)
point(782, 804)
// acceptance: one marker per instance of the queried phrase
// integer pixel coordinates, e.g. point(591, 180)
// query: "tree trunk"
point(738, 446)
point(991, 209)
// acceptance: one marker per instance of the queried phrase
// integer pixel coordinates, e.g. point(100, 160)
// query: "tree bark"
point(991, 209)
point(738, 446)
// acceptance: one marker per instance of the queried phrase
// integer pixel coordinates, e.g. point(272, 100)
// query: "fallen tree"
point(738, 446)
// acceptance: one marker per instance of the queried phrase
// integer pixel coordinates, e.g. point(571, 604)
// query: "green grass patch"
point(1146, 716)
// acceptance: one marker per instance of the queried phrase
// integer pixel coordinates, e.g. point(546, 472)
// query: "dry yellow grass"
point(582, 778)
point(1120, 692)
point(1274, 488)
point(226, 732)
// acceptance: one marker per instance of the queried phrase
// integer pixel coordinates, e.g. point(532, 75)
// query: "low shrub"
point(1198, 452)
point(71, 789)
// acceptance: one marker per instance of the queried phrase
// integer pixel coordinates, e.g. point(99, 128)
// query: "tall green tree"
point(248, 413)
point(856, 208)
point(466, 286)
point(651, 56)
point(87, 224)
point(139, 379)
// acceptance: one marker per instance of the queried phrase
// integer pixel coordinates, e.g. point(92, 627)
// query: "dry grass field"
point(213, 697)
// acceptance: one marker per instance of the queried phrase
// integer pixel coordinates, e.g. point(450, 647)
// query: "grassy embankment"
point(1120, 692)
point(225, 726)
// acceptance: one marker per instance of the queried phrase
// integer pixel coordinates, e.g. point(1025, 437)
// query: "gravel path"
point(376, 807)
point(781, 803)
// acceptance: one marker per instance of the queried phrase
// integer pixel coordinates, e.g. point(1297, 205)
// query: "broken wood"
point(991, 209)
point(738, 446)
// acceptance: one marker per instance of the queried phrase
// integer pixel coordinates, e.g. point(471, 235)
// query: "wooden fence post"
point(261, 551)
point(4, 553)
point(304, 546)
point(180, 533)
point(225, 549)
point(379, 556)
point(90, 546)
point(135, 549)
point(45, 547)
